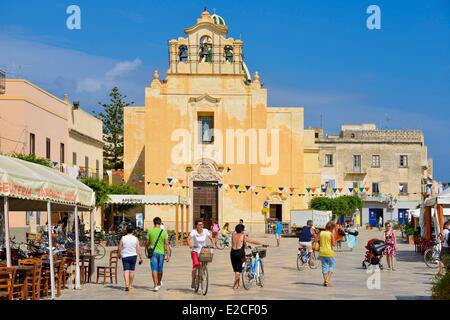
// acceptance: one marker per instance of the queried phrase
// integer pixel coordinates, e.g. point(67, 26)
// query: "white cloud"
point(122, 68)
point(84, 77)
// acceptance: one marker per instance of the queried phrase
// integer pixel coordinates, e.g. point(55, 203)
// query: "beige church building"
point(207, 136)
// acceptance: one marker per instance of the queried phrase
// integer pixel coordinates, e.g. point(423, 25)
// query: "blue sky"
point(314, 54)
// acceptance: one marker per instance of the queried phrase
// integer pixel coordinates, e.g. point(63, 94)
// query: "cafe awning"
point(441, 198)
point(147, 199)
point(23, 180)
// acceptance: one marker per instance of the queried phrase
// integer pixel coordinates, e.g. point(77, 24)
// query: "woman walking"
point(327, 242)
point(215, 229)
point(128, 251)
point(391, 245)
point(351, 237)
point(237, 253)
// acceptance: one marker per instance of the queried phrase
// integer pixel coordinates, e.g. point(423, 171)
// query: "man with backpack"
point(157, 241)
point(445, 250)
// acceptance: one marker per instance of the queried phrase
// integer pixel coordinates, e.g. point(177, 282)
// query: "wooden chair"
point(109, 271)
point(18, 290)
point(34, 284)
point(6, 285)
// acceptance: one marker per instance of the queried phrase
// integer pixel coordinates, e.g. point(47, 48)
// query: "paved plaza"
point(411, 280)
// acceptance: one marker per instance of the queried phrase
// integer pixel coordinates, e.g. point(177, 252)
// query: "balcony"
point(355, 170)
point(2, 82)
point(376, 197)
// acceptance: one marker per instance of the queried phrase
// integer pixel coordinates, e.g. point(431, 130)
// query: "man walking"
point(278, 231)
point(157, 241)
point(380, 223)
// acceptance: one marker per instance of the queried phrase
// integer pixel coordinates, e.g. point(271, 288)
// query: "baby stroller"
point(375, 249)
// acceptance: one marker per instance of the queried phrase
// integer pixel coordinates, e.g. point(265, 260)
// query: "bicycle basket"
point(262, 252)
point(206, 255)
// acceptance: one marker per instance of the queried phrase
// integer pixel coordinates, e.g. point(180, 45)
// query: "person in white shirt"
point(197, 239)
point(128, 251)
point(445, 250)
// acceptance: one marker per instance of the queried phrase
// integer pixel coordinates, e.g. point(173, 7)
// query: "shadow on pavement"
point(408, 256)
point(309, 283)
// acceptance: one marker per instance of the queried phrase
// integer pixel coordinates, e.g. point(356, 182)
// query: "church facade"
point(206, 134)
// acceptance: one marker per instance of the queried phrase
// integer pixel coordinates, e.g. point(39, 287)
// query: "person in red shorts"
point(197, 239)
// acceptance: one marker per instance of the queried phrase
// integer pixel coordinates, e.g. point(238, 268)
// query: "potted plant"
point(409, 231)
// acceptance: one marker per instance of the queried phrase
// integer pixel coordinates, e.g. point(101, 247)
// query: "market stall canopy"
point(22, 180)
point(147, 199)
point(441, 198)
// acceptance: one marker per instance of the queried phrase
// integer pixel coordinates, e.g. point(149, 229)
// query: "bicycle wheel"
point(260, 274)
point(100, 251)
point(430, 258)
point(204, 279)
point(220, 244)
point(197, 280)
point(301, 262)
point(247, 276)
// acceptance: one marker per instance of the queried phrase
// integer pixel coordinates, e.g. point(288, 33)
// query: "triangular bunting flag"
point(334, 190)
point(361, 189)
point(231, 186)
point(290, 194)
point(183, 187)
point(324, 189)
point(220, 185)
point(163, 184)
point(170, 180)
point(313, 190)
point(256, 192)
point(247, 187)
point(308, 190)
point(180, 181)
point(281, 189)
point(367, 189)
point(292, 189)
point(263, 187)
point(350, 189)
point(236, 186)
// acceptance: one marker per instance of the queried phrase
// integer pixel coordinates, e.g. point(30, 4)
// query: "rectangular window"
point(32, 143)
point(403, 188)
point(47, 149)
point(206, 127)
point(375, 161)
point(97, 169)
point(27, 217)
point(74, 158)
point(375, 188)
point(62, 153)
point(328, 160)
point(403, 161)
point(86, 166)
point(38, 218)
point(356, 163)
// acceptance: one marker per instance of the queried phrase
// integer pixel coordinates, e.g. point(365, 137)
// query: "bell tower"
point(206, 50)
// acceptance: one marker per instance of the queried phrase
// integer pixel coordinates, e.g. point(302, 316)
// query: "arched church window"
point(205, 50)
point(228, 53)
point(183, 53)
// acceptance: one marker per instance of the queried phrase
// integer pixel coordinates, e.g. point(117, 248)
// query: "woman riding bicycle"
point(237, 253)
point(196, 240)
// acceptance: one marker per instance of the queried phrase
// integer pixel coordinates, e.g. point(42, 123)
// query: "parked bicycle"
point(304, 259)
point(252, 269)
point(432, 256)
point(223, 242)
point(201, 276)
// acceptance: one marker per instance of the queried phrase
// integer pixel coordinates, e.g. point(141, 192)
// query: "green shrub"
point(441, 287)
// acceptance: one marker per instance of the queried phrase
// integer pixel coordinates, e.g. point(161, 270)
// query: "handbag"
point(149, 251)
point(316, 246)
